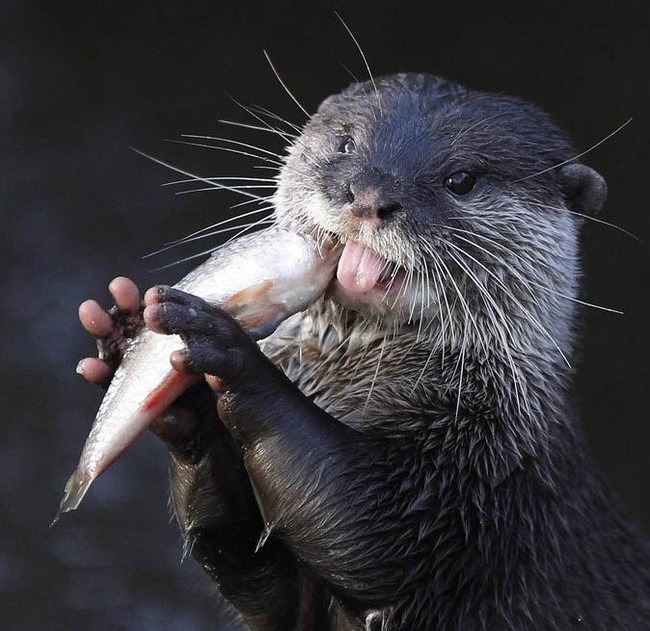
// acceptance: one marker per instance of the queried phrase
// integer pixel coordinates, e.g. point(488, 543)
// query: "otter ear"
point(585, 189)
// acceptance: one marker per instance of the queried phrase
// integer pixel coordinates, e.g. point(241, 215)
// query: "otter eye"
point(460, 183)
point(347, 145)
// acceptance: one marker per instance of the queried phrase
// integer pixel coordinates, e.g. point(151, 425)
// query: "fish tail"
point(75, 490)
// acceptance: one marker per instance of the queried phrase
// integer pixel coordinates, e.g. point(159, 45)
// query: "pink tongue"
point(359, 268)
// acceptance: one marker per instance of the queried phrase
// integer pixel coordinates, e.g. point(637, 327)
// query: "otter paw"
point(112, 328)
point(216, 344)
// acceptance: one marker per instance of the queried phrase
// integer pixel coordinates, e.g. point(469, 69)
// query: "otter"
point(405, 454)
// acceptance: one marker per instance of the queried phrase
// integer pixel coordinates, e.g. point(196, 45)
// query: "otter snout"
point(370, 198)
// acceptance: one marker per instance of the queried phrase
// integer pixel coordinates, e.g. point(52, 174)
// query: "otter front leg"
point(323, 488)
point(216, 510)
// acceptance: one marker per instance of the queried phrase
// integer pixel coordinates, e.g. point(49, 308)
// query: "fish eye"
point(460, 183)
point(347, 145)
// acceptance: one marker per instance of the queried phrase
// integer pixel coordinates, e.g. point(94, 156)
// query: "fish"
point(260, 279)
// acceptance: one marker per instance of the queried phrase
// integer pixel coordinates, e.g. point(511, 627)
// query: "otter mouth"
point(360, 270)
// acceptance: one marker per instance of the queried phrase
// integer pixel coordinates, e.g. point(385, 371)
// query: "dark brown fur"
point(413, 464)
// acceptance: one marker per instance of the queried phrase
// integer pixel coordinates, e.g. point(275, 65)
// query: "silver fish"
point(260, 279)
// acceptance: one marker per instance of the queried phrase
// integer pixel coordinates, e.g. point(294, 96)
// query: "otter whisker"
point(354, 77)
point(264, 220)
point(243, 230)
point(501, 324)
point(590, 218)
point(428, 276)
point(267, 129)
point(460, 367)
point(263, 111)
point(424, 304)
point(270, 180)
point(278, 161)
point(209, 231)
point(465, 307)
point(264, 199)
point(363, 57)
point(412, 276)
point(526, 312)
point(511, 270)
point(284, 85)
point(276, 169)
point(577, 156)
point(401, 292)
point(194, 177)
point(391, 282)
point(445, 322)
point(231, 141)
point(248, 154)
point(240, 190)
point(258, 113)
point(529, 283)
point(315, 159)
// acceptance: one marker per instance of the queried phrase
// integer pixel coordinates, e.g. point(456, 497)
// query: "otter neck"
point(470, 369)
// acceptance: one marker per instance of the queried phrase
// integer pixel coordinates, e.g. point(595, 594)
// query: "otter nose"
point(371, 202)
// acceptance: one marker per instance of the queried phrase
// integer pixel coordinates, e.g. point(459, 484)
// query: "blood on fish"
point(161, 395)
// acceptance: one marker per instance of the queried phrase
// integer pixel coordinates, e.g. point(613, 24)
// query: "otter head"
point(450, 204)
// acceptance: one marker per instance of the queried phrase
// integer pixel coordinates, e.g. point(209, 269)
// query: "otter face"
point(439, 195)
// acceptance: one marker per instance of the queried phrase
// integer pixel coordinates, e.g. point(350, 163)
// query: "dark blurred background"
point(82, 83)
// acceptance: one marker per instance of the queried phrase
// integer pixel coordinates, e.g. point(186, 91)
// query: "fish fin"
point(260, 327)
point(249, 294)
point(75, 490)
point(245, 307)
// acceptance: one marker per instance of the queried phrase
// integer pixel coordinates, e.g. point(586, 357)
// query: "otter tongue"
point(359, 268)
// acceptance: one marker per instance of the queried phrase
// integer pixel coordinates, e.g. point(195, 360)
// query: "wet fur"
point(415, 463)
